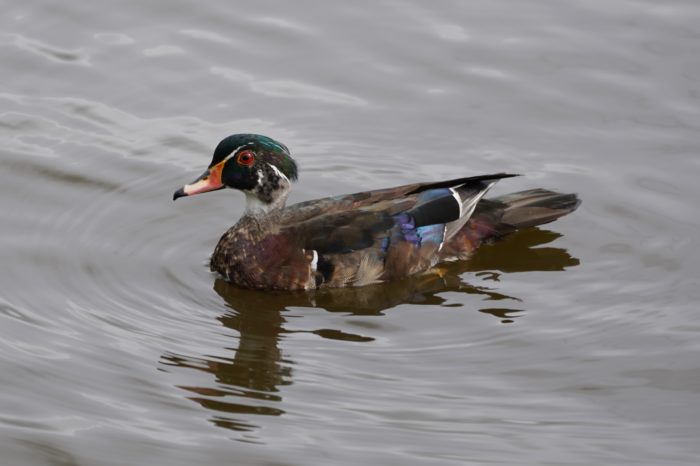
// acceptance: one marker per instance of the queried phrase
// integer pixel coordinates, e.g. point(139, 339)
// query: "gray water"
point(573, 344)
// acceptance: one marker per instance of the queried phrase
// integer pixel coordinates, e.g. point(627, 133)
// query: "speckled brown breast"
point(255, 259)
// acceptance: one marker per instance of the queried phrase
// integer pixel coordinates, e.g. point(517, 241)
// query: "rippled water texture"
point(574, 344)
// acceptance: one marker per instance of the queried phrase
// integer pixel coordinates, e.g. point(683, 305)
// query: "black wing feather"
point(461, 181)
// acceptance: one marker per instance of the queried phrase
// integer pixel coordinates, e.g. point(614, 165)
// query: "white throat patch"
point(274, 191)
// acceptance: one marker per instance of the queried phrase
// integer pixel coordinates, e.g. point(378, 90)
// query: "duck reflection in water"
point(249, 383)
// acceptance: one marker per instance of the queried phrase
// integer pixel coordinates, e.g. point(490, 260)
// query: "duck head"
point(257, 165)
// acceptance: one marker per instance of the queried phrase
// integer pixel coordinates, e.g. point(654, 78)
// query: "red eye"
point(246, 158)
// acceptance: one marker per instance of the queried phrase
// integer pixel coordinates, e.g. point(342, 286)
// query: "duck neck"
point(269, 195)
point(255, 207)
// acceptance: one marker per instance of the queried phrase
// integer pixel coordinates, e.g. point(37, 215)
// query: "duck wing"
point(373, 236)
point(309, 209)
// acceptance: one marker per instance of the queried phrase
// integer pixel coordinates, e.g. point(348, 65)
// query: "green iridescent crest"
point(266, 149)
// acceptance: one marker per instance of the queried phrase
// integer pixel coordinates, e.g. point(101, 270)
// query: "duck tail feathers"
point(525, 209)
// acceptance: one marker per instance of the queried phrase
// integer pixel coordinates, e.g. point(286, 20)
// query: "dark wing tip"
point(460, 181)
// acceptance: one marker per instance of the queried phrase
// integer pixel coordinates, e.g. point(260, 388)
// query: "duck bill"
point(209, 181)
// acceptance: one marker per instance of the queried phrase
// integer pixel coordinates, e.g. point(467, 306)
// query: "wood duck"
point(355, 239)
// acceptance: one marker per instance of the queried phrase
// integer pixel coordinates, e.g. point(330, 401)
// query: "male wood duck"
point(355, 239)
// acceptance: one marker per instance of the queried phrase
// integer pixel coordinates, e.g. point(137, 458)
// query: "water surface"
point(573, 344)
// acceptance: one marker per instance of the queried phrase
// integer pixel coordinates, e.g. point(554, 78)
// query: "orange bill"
point(209, 181)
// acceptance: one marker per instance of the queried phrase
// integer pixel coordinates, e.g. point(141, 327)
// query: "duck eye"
point(245, 158)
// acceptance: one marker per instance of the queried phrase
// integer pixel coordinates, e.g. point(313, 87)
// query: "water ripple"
point(287, 88)
point(51, 52)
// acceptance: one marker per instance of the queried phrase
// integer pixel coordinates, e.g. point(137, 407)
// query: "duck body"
point(356, 239)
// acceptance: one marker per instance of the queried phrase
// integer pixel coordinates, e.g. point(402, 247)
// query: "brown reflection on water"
point(248, 383)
